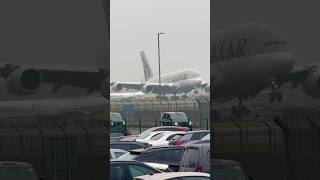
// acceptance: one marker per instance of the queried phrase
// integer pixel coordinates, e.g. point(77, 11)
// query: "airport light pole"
point(159, 62)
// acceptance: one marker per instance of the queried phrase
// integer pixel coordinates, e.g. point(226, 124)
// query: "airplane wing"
point(145, 87)
point(118, 86)
point(26, 79)
point(300, 74)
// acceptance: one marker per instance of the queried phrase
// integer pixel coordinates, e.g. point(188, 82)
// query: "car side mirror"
point(250, 177)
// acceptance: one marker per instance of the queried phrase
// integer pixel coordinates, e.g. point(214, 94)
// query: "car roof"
point(117, 150)
point(163, 176)
point(154, 148)
point(196, 145)
point(174, 112)
point(191, 132)
point(127, 142)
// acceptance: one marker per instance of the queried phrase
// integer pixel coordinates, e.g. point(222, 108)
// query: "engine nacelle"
point(147, 88)
point(117, 87)
point(24, 81)
point(207, 87)
point(311, 85)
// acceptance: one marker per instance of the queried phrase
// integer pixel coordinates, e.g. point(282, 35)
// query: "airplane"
point(47, 69)
point(182, 81)
point(248, 58)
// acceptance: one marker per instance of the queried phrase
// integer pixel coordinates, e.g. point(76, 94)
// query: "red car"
point(160, 128)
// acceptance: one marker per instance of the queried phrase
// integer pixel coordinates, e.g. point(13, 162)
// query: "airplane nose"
point(286, 63)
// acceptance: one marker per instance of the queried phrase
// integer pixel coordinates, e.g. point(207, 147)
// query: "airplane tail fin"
point(146, 67)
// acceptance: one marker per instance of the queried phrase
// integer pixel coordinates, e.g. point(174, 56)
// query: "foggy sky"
point(134, 25)
point(297, 20)
point(66, 33)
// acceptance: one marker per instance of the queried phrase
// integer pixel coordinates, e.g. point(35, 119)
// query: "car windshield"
point(228, 172)
point(115, 117)
point(179, 117)
point(127, 156)
point(23, 173)
point(178, 137)
point(144, 134)
point(186, 137)
point(157, 137)
point(207, 137)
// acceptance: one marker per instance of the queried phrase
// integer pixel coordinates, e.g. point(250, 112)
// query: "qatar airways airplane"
point(182, 81)
point(248, 58)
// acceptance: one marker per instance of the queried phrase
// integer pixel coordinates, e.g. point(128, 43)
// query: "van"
point(175, 119)
point(116, 121)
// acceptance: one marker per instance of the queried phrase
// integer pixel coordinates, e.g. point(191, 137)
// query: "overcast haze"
point(134, 27)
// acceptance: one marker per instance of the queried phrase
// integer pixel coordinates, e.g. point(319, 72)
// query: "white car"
point(147, 137)
point(207, 137)
point(116, 153)
point(177, 175)
point(161, 167)
point(163, 138)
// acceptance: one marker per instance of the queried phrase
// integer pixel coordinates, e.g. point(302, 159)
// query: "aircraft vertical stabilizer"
point(148, 74)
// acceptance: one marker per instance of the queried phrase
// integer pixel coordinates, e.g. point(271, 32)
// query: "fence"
point(146, 112)
point(60, 147)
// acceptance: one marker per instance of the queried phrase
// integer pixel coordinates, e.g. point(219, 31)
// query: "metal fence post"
point(140, 124)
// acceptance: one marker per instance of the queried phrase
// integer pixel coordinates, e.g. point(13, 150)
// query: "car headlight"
point(176, 123)
point(190, 123)
point(111, 123)
point(124, 123)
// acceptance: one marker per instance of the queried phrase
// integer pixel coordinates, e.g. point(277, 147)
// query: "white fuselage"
point(245, 57)
point(186, 80)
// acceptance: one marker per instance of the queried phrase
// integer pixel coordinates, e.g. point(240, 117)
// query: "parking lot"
point(149, 137)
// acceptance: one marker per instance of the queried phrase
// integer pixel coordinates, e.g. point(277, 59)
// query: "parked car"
point(17, 171)
point(160, 128)
point(176, 176)
point(164, 138)
point(207, 137)
point(116, 153)
point(165, 155)
point(146, 137)
point(189, 136)
point(196, 158)
point(161, 167)
point(228, 170)
point(123, 170)
point(197, 142)
point(127, 145)
point(116, 121)
point(116, 135)
point(175, 119)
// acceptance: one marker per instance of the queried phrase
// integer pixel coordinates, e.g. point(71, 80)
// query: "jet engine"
point(117, 87)
point(311, 85)
point(147, 88)
point(24, 81)
point(207, 87)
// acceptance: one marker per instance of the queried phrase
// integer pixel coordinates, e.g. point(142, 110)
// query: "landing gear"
point(196, 91)
point(185, 96)
point(274, 95)
point(240, 110)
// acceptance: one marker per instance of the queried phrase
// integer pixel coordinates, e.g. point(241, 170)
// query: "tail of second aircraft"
point(146, 67)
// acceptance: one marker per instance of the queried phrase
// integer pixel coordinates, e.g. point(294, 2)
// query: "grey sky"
point(65, 33)
point(134, 25)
